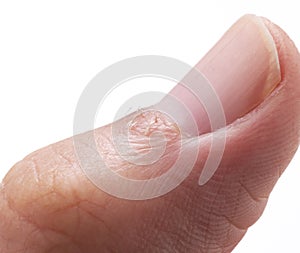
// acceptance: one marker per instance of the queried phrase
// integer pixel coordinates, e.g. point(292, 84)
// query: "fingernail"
point(242, 68)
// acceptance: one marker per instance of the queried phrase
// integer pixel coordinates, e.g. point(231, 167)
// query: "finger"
point(49, 204)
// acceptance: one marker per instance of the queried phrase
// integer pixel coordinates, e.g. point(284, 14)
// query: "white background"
point(50, 50)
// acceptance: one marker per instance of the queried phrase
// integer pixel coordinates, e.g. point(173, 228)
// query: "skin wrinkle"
point(50, 234)
point(64, 208)
point(227, 238)
point(207, 229)
point(68, 238)
point(20, 218)
point(62, 248)
point(62, 155)
point(242, 194)
point(15, 211)
point(36, 172)
point(198, 209)
point(155, 233)
point(181, 232)
point(255, 199)
point(98, 219)
point(72, 236)
point(41, 232)
point(109, 232)
point(152, 232)
point(168, 208)
point(76, 206)
point(236, 226)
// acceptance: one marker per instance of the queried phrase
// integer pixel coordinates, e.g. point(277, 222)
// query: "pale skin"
point(47, 203)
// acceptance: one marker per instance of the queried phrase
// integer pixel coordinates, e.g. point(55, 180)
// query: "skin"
point(47, 204)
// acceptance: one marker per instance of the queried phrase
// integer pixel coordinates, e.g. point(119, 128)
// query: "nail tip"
point(274, 77)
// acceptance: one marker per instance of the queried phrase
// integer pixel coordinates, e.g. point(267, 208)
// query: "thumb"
point(49, 205)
